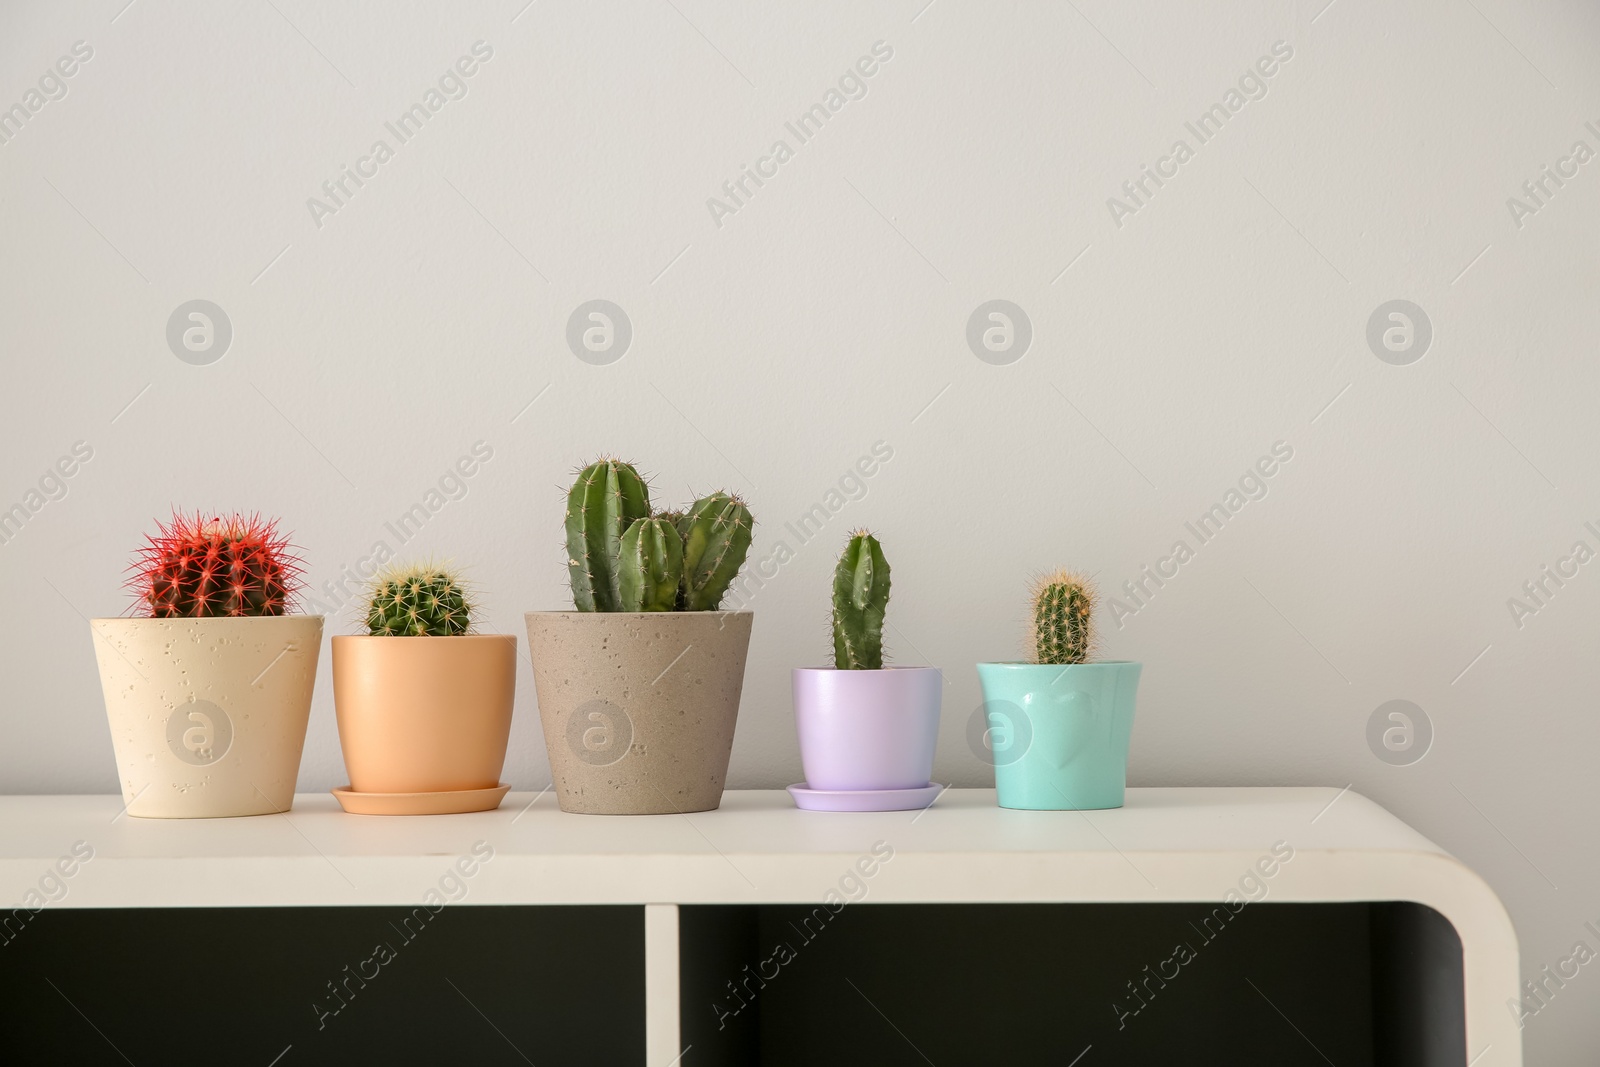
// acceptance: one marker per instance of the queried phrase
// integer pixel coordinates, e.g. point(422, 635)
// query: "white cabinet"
point(1308, 908)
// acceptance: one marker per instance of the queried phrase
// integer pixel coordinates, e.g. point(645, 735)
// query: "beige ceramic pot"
point(424, 714)
point(638, 708)
point(208, 716)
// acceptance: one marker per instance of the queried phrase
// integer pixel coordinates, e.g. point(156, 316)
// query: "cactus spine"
point(860, 598)
point(608, 497)
point(716, 534)
point(651, 570)
point(210, 567)
point(418, 601)
point(1063, 618)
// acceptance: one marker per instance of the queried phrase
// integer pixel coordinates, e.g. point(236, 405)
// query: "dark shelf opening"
point(1377, 984)
point(296, 987)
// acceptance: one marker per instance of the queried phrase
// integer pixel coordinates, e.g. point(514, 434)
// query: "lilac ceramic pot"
point(867, 729)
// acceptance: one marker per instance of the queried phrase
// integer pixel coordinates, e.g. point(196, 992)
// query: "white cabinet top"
point(1166, 844)
point(1212, 845)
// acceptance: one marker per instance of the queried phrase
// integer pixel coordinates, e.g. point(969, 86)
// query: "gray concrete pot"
point(638, 708)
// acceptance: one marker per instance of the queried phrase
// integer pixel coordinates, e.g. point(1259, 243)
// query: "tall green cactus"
point(1063, 618)
point(418, 601)
point(651, 570)
point(716, 534)
point(608, 497)
point(860, 598)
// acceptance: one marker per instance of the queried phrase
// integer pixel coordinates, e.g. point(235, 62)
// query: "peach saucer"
point(451, 802)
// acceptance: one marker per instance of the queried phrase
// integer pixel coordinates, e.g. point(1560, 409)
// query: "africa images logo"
point(199, 332)
point(599, 733)
point(199, 733)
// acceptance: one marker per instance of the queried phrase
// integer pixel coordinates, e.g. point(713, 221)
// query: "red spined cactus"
point(200, 566)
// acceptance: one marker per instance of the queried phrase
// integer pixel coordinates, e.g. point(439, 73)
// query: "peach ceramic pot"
point(638, 708)
point(208, 716)
point(424, 714)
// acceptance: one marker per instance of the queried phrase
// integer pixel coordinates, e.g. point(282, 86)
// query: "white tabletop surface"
point(756, 847)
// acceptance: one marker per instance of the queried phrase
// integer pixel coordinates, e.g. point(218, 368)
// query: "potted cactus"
point(423, 703)
point(208, 688)
point(639, 687)
point(1059, 725)
point(867, 732)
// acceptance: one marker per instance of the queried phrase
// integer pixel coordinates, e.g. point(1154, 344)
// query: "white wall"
point(772, 347)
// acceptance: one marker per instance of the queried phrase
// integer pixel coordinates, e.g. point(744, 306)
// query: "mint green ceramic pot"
point(1059, 734)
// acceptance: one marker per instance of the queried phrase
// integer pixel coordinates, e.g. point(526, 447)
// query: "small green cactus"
point(651, 570)
point(1063, 618)
point(716, 534)
point(419, 600)
point(860, 598)
point(608, 497)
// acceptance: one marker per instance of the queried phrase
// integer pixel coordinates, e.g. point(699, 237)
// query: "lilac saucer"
point(864, 799)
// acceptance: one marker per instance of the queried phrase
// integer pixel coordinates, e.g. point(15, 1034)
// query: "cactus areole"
point(623, 556)
point(199, 566)
point(860, 598)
